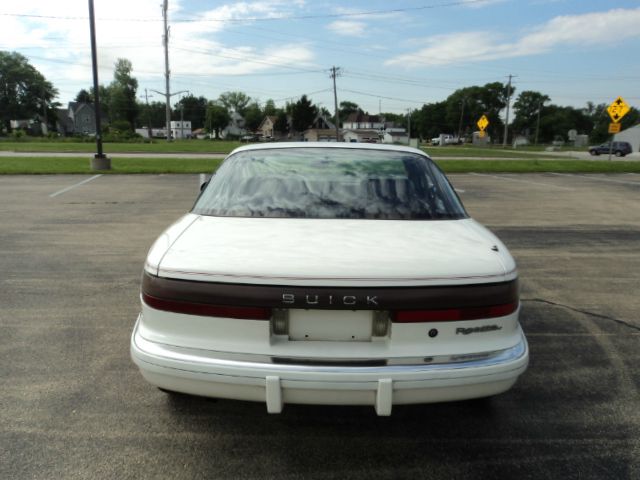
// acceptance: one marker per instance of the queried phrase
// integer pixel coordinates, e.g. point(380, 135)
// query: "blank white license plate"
point(330, 325)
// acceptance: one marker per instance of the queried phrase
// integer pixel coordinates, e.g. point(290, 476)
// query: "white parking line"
point(64, 190)
point(610, 180)
point(500, 177)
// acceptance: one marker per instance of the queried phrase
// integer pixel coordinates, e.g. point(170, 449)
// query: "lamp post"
point(100, 161)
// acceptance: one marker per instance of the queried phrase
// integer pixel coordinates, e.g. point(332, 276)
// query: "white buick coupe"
point(329, 273)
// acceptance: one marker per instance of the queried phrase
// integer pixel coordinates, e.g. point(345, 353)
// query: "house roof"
point(271, 118)
point(360, 117)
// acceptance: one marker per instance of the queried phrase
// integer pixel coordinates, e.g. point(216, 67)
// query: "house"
point(631, 135)
point(181, 129)
point(359, 121)
point(321, 130)
point(361, 135)
point(267, 130)
point(79, 118)
point(235, 128)
point(319, 135)
point(155, 132)
point(398, 136)
point(32, 126)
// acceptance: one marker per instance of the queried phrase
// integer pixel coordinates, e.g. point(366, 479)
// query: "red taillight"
point(206, 310)
point(453, 314)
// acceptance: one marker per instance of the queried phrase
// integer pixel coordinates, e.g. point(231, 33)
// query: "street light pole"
point(100, 161)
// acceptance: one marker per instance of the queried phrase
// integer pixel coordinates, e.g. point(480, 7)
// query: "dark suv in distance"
point(620, 149)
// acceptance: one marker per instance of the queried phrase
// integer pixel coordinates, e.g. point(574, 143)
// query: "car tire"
point(594, 152)
point(172, 393)
point(619, 153)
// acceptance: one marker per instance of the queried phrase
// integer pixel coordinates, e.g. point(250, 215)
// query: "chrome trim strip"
point(263, 362)
point(498, 277)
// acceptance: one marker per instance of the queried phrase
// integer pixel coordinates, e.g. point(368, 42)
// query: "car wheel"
point(619, 153)
point(594, 152)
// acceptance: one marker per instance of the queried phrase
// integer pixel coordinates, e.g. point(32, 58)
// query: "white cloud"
point(60, 47)
point(590, 29)
point(348, 28)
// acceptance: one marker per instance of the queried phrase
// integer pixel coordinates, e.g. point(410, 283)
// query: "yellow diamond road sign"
point(483, 122)
point(618, 109)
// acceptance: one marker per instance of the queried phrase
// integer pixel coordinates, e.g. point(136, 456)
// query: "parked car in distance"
point(620, 149)
point(329, 273)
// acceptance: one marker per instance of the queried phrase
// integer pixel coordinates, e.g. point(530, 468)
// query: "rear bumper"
point(265, 379)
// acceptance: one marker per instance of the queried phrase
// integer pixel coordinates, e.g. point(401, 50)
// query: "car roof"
point(325, 145)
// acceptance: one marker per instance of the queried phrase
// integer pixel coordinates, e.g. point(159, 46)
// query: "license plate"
point(330, 325)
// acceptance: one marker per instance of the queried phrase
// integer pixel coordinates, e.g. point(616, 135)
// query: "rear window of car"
point(330, 183)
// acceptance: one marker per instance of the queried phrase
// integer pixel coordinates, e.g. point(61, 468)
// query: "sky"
point(392, 56)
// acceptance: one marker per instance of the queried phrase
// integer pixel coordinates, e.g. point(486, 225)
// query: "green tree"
point(398, 119)
point(303, 113)
point(217, 118)
point(194, 109)
point(153, 115)
point(346, 109)
point(122, 101)
point(253, 116)
point(270, 108)
point(428, 122)
point(526, 108)
point(84, 96)
point(235, 101)
point(556, 121)
point(282, 122)
point(24, 91)
point(464, 107)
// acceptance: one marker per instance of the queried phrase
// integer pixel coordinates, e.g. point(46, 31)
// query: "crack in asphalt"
point(585, 312)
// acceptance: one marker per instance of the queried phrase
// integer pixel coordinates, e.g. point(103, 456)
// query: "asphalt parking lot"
point(73, 406)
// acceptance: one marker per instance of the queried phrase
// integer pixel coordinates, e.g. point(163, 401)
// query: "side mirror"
point(204, 185)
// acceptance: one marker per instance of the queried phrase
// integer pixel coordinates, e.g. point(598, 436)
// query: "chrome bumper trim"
point(191, 356)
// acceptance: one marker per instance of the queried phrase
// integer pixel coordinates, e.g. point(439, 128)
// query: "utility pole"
point(146, 98)
point(535, 142)
point(334, 73)
point(181, 121)
point(168, 98)
point(409, 124)
point(506, 122)
point(464, 100)
point(44, 130)
point(165, 38)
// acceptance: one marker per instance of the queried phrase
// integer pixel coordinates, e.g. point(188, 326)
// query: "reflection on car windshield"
point(329, 183)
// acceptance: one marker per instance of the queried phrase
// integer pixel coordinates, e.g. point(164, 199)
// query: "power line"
point(260, 19)
point(244, 59)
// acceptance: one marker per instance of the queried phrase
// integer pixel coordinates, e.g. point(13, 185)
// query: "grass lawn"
point(487, 152)
point(223, 147)
point(52, 165)
point(49, 165)
point(538, 166)
point(158, 146)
